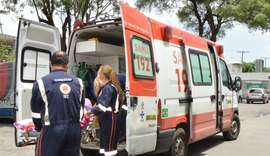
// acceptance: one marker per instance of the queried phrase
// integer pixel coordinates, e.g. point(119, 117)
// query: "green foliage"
point(6, 53)
point(248, 67)
point(267, 69)
point(200, 16)
point(161, 5)
point(211, 18)
point(66, 11)
point(254, 13)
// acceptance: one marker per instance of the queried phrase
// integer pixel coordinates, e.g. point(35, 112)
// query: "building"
point(257, 79)
point(7, 39)
point(235, 67)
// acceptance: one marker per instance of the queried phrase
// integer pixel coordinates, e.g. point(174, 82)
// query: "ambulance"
point(6, 89)
point(178, 88)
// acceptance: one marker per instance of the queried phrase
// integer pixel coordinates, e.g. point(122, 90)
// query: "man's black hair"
point(59, 58)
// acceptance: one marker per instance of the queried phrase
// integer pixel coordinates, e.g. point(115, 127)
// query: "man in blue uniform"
point(56, 102)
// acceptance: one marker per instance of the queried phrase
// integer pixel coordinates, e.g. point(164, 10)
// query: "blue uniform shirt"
point(106, 97)
point(63, 94)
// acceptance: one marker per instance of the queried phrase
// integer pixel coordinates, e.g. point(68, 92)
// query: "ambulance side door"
point(35, 44)
point(140, 84)
point(202, 109)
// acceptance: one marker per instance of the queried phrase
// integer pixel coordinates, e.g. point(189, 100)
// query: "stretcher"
point(90, 129)
point(27, 131)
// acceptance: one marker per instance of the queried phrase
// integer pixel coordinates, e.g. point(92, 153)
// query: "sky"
point(254, 43)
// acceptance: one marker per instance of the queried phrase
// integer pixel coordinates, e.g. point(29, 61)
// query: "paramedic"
point(108, 107)
point(55, 105)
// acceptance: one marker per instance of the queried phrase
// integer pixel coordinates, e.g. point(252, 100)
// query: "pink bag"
point(26, 124)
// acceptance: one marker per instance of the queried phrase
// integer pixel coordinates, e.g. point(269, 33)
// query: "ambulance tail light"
point(78, 24)
point(159, 113)
point(167, 33)
point(219, 49)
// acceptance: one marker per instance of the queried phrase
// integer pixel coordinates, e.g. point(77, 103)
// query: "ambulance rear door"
point(140, 84)
point(35, 44)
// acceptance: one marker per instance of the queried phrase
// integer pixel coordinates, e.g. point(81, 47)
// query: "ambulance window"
point(35, 64)
point(200, 66)
point(224, 73)
point(142, 64)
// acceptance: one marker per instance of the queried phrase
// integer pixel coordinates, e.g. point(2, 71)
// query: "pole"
point(265, 59)
point(242, 54)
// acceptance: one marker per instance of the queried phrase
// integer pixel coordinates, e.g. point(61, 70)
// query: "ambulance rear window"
point(142, 64)
point(35, 64)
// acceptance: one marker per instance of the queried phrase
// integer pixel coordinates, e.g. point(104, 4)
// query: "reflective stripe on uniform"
point(102, 151)
point(111, 153)
point(81, 94)
point(81, 88)
point(44, 97)
point(36, 115)
point(124, 107)
point(117, 101)
point(103, 108)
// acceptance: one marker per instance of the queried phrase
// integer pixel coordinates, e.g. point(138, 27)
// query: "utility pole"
point(265, 58)
point(1, 30)
point(2, 12)
point(242, 54)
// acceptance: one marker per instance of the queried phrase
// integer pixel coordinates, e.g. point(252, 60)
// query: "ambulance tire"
point(89, 152)
point(179, 145)
point(234, 131)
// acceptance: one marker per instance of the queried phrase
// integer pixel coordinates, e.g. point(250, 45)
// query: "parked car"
point(257, 94)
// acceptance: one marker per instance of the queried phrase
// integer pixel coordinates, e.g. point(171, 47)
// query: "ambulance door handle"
point(133, 101)
point(157, 68)
point(212, 97)
point(222, 97)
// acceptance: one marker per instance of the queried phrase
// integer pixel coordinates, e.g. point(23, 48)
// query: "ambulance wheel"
point(89, 152)
point(234, 131)
point(179, 145)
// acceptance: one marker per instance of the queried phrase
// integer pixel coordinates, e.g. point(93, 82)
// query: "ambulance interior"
point(90, 48)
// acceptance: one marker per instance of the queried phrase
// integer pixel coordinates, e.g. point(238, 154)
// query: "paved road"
point(252, 141)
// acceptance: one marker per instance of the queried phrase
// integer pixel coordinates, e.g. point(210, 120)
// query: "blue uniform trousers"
point(59, 140)
point(110, 128)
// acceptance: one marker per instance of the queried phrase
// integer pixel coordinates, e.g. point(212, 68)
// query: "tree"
point(6, 53)
point(254, 13)
point(201, 16)
point(248, 67)
point(49, 11)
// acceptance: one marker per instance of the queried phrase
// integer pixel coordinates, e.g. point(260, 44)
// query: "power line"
point(242, 54)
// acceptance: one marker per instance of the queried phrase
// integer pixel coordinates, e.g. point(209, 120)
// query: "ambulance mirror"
point(237, 83)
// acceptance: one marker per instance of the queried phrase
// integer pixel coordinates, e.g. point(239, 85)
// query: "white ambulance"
point(178, 88)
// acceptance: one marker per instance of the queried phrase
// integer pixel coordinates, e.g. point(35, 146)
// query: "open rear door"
point(35, 44)
point(140, 83)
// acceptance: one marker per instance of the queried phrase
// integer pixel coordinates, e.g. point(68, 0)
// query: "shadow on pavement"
point(5, 122)
point(198, 148)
